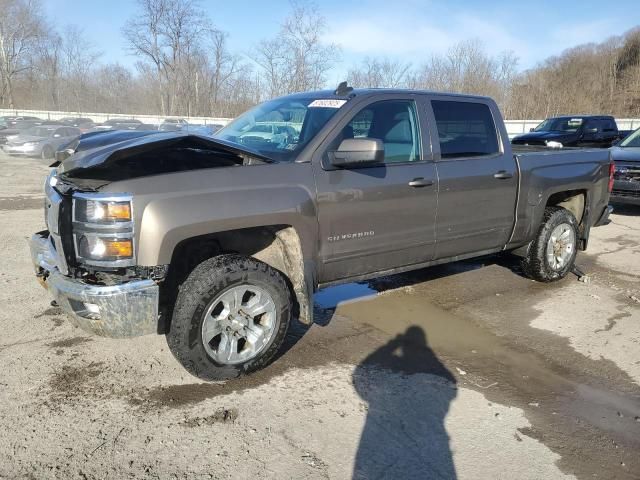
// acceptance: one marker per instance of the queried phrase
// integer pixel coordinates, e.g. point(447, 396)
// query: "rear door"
point(378, 217)
point(477, 177)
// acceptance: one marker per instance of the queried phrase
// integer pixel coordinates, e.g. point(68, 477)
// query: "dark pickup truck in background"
point(599, 131)
point(219, 244)
point(626, 155)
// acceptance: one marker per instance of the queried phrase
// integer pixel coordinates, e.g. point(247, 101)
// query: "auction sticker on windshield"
point(328, 103)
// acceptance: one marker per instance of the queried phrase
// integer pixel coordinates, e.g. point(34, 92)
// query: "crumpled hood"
point(626, 154)
point(101, 158)
point(99, 148)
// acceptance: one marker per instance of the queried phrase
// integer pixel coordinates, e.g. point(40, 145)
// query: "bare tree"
point(164, 33)
point(78, 59)
point(296, 59)
point(224, 66)
point(380, 73)
point(185, 66)
point(49, 69)
point(20, 30)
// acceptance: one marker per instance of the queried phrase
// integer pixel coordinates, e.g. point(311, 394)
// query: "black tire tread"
point(213, 275)
point(534, 264)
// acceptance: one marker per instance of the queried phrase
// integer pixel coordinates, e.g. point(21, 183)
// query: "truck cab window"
point(465, 129)
point(395, 122)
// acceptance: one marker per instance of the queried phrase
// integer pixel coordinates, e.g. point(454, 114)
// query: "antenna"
point(343, 89)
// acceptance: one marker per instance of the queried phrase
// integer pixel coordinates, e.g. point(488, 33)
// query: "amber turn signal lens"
point(118, 211)
point(118, 248)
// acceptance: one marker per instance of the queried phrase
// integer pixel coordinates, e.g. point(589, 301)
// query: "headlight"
point(102, 211)
point(29, 144)
point(104, 249)
point(103, 229)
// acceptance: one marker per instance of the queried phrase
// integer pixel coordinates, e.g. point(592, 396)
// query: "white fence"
point(514, 127)
point(102, 117)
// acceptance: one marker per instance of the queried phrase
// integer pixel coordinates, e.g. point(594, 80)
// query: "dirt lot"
point(451, 372)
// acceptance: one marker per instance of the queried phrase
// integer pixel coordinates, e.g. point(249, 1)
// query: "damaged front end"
point(87, 256)
point(103, 296)
point(626, 185)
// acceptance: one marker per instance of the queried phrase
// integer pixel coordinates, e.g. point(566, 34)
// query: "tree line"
point(185, 67)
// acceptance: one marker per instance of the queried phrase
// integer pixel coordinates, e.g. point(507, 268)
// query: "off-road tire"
point(535, 264)
point(203, 284)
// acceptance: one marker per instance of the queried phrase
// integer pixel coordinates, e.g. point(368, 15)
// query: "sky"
point(408, 30)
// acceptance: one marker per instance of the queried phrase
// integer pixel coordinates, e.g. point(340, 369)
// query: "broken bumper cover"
point(117, 311)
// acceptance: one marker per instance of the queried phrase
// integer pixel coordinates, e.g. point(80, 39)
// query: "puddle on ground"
point(508, 371)
point(331, 297)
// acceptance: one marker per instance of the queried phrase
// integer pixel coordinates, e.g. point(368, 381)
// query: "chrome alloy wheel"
point(239, 324)
point(561, 246)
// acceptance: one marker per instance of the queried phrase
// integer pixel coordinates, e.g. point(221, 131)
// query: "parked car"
point(84, 124)
point(173, 125)
point(626, 154)
point(9, 121)
point(572, 131)
point(123, 124)
point(267, 132)
point(218, 244)
point(206, 130)
point(17, 127)
point(41, 141)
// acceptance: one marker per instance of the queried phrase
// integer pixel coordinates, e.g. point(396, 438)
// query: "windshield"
point(281, 128)
point(39, 131)
point(633, 140)
point(559, 125)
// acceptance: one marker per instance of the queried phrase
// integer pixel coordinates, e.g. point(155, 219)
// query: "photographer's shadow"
point(408, 392)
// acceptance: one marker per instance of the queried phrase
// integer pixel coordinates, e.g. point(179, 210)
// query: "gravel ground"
point(464, 371)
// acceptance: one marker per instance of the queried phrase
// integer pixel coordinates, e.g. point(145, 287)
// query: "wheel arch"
point(279, 246)
point(572, 200)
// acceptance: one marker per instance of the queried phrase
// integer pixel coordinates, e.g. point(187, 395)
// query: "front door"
point(378, 217)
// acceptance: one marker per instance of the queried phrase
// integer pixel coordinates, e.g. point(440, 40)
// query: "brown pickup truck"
point(219, 242)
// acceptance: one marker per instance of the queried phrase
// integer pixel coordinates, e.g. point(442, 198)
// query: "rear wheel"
point(552, 254)
point(230, 317)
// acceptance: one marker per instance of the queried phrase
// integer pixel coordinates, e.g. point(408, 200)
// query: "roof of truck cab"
point(608, 117)
point(362, 92)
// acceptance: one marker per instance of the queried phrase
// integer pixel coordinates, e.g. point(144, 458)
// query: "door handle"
point(502, 175)
point(420, 182)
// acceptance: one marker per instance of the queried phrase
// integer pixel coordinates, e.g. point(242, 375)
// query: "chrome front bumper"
point(117, 311)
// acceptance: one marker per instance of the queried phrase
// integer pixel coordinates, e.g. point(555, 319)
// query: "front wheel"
point(231, 317)
point(552, 253)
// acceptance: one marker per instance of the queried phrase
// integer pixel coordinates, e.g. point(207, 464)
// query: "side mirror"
point(62, 155)
point(356, 152)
